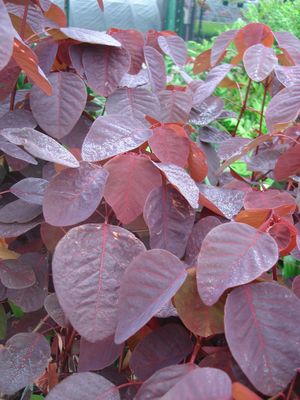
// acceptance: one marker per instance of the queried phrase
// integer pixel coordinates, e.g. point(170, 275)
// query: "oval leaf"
point(174, 47)
point(30, 189)
point(55, 311)
point(7, 34)
point(259, 62)
point(156, 68)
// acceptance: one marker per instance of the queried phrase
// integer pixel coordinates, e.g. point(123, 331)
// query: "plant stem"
point(196, 350)
point(24, 19)
point(243, 107)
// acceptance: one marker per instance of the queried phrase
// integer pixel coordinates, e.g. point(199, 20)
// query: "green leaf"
point(291, 267)
point(36, 397)
point(3, 322)
point(17, 311)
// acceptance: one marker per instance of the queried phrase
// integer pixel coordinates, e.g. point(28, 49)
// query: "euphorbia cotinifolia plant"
point(136, 262)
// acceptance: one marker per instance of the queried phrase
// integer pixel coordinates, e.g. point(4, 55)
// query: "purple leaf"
point(207, 87)
point(246, 254)
point(88, 36)
point(17, 119)
point(30, 190)
point(152, 354)
point(14, 151)
point(22, 360)
point(105, 67)
point(88, 263)
point(156, 68)
point(213, 161)
point(75, 138)
point(8, 79)
point(46, 52)
point(199, 232)
point(98, 355)
point(170, 219)
point(85, 385)
point(220, 45)
point(262, 330)
point(175, 105)
point(2, 292)
point(149, 282)
point(288, 76)
point(41, 146)
point(32, 298)
point(111, 135)
point(167, 310)
point(174, 47)
point(232, 146)
point(17, 274)
point(74, 194)
point(208, 111)
point(259, 62)
point(290, 43)
point(7, 34)
point(55, 311)
point(264, 161)
point(14, 230)
point(133, 81)
point(162, 381)
point(19, 211)
point(179, 178)
point(135, 103)
point(202, 384)
point(209, 134)
point(66, 103)
point(287, 164)
point(296, 286)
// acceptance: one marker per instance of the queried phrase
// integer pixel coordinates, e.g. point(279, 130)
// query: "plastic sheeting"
point(124, 14)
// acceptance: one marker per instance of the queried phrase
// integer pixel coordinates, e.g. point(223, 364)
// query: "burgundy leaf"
point(156, 68)
point(179, 178)
point(251, 34)
point(210, 134)
point(88, 263)
point(199, 232)
point(7, 34)
point(152, 354)
point(174, 47)
point(85, 385)
point(162, 381)
point(213, 161)
point(14, 151)
point(46, 52)
point(207, 111)
point(19, 211)
point(222, 201)
point(296, 286)
point(290, 43)
point(77, 135)
point(41, 146)
point(131, 178)
point(30, 190)
point(203, 384)
point(199, 318)
point(17, 274)
point(55, 311)
point(111, 135)
point(98, 355)
point(150, 281)
point(206, 88)
point(170, 145)
point(288, 76)
point(197, 163)
point(66, 104)
point(17, 119)
point(254, 316)
point(74, 194)
point(133, 81)
point(259, 62)
point(8, 78)
point(175, 105)
point(32, 298)
point(135, 103)
point(220, 45)
point(288, 164)
point(232, 146)
point(264, 161)
point(269, 199)
point(85, 36)
point(104, 67)
point(14, 230)
point(246, 254)
point(22, 360)
point(2, 292)
point(170, 219)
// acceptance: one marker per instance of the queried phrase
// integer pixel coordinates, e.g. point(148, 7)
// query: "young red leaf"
point(259, 62)
point(202, 62)
point(104, 67)
point(131, 178)
point(288, 163)
point(246, 254)
point(88, 263)
point(253, 318)
point(175, 105)
point(74, 194)
point(66, 103)
point(30, 190)
point(7, 34)
point(174, 47)
point(85, 385)
point(22, 360)
point(150, 281)
point(170, 219)
point(252, 34)
point(55, 311)
point(197, 163)
point(156, 68)
point(199, 318)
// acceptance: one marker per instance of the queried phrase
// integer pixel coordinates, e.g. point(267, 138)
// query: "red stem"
point(196, 350)
point(274, 273)
point(24, 19)
point(290, 392)
point(243, 107)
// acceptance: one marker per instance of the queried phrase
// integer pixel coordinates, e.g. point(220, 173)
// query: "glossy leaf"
point(74, 194)
point(175, 105)
point(288, 164)
point(19, 211)
point(17, 119)
point(150, 281)
point(17, 274)
point(207, 111)
point(259, 62)
point(151, 354)
point(170, 219)
point(85, 36)
point(111, 135)
point(30, 190)
point(174, 47)
point(22, 360)
point(131, 179)
point(247, 253)
point(14, 151)
point(7, 35)
point(257, 310)
point(197, 163)
point(156, 68)
point(88, 263)
point(66, 103)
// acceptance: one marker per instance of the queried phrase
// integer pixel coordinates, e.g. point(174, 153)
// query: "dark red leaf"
point(150, 281)
point(259, 62)
point(202, 62)
point(220, 45)
point(156, 68)
point(252, 34)
point(274, 199)
point(88, 263)
point(55, 311)
point(17, 274)
point(246, 254)
point(254, 316)
point(30, 190)
point(232, 147)
point(8, 77)
point(7, 34)
point(197, 163)
point(288, 163)
point(208, 111)
point(174, 47)
point(46, 51)
point(290, 43)
point(17, 119)
point(170, 219)
point(175, 105)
